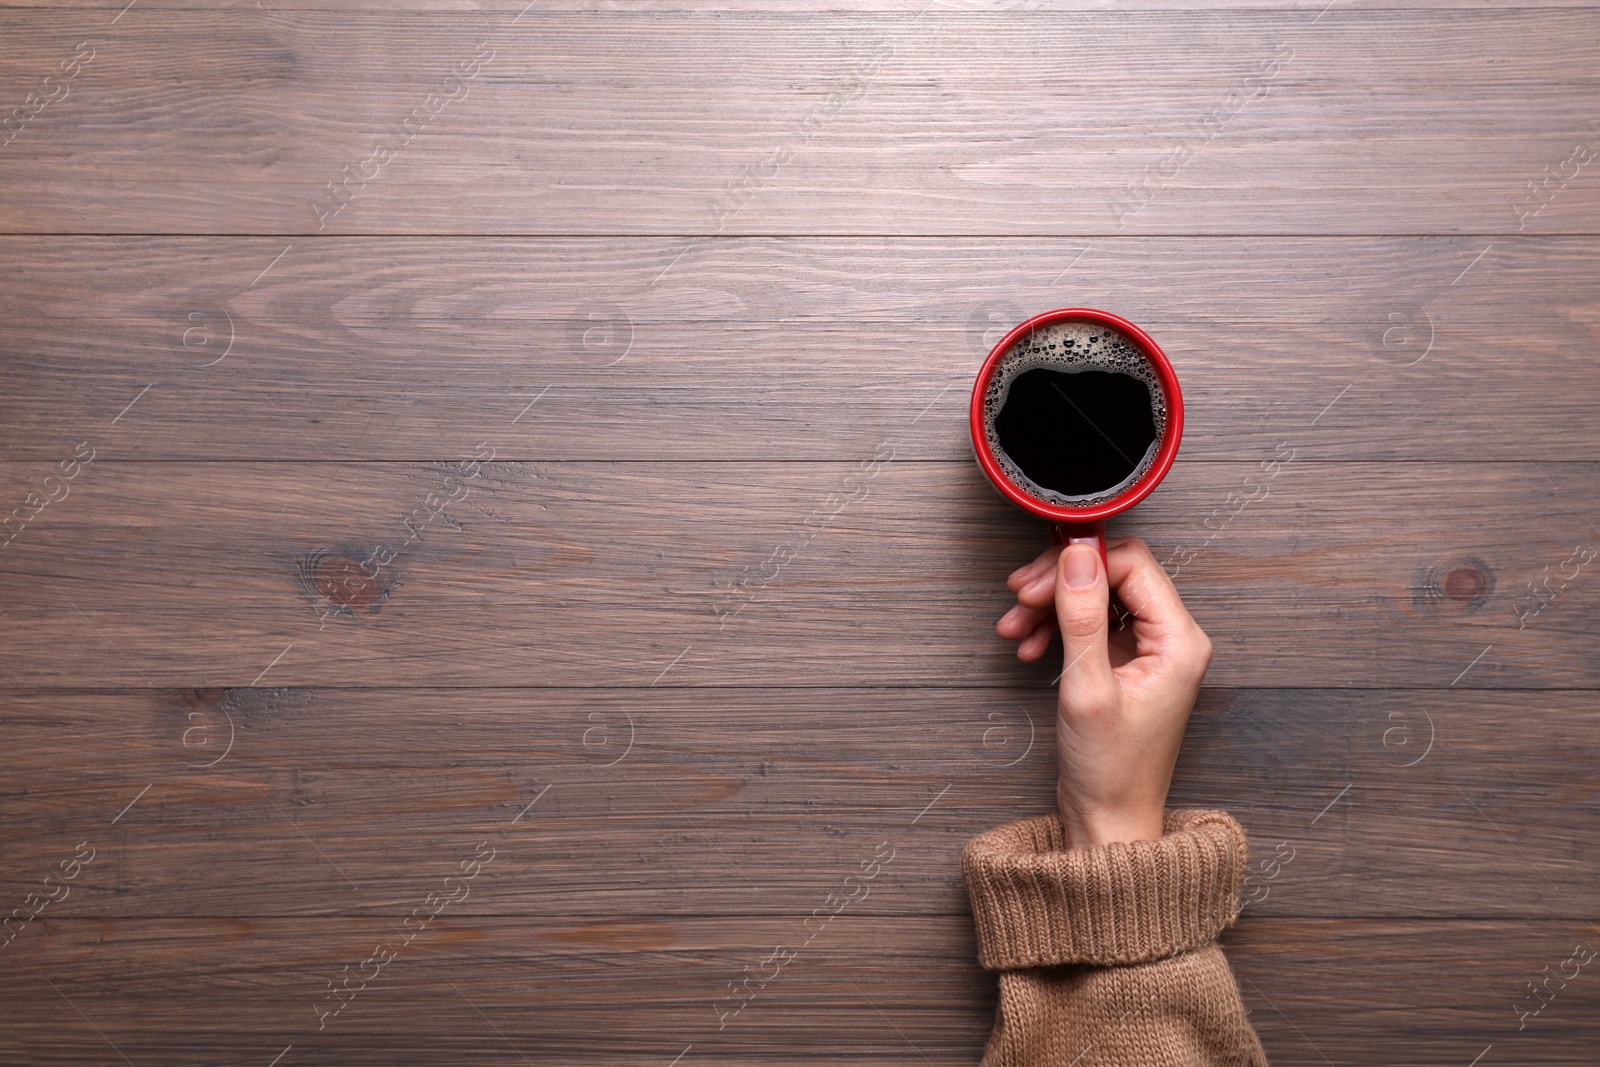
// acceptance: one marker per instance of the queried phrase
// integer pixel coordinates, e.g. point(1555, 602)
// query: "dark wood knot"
point(346, 579)
point(1456, 584)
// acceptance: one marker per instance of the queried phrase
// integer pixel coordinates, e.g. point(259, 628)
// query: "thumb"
point(1082, 608)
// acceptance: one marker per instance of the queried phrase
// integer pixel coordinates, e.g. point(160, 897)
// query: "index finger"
point(1029, 573)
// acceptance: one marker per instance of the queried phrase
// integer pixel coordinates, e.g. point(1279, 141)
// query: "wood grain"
point(1018, 122)
point(598, 988)
point(564, 574)
point(362, 348)
point(679, 304)
point(1369, 803)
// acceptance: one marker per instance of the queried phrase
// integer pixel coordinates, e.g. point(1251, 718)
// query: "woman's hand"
point(1125, 697)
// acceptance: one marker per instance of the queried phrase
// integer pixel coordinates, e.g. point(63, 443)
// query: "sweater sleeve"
point(1107, 954)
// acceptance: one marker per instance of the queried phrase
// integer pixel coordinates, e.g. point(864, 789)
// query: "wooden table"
point(511, 462)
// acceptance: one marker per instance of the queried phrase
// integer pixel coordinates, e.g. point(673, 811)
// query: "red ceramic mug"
point(1069, 525)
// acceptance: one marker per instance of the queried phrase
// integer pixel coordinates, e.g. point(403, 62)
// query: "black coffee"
point(1076, 433)
point(1074, 413)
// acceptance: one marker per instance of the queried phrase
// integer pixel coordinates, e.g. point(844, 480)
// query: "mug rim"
point(1165, 453)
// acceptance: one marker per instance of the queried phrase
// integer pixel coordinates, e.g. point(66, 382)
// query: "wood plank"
point(1369, 803)
point(636, 987)
point(585, 574)
point(359, 348)
point(803, 123)
point(1415, 992)
point(691, 362)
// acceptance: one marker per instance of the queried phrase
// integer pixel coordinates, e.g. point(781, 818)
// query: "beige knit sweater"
point(1107, 955)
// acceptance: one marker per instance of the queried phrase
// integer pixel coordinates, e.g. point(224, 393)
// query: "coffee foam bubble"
point(1069, 347)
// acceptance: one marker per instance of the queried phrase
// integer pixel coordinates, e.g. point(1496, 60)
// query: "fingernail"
point(1083, 569)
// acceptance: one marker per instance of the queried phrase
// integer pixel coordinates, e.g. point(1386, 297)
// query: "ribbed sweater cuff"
point(1037, 903)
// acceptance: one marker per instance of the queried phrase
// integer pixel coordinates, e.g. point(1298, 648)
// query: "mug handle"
point(1090, 533)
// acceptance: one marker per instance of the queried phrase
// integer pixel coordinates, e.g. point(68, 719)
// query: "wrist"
point(1089, 825)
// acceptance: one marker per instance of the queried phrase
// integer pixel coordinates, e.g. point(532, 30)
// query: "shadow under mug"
point(1070, 525)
